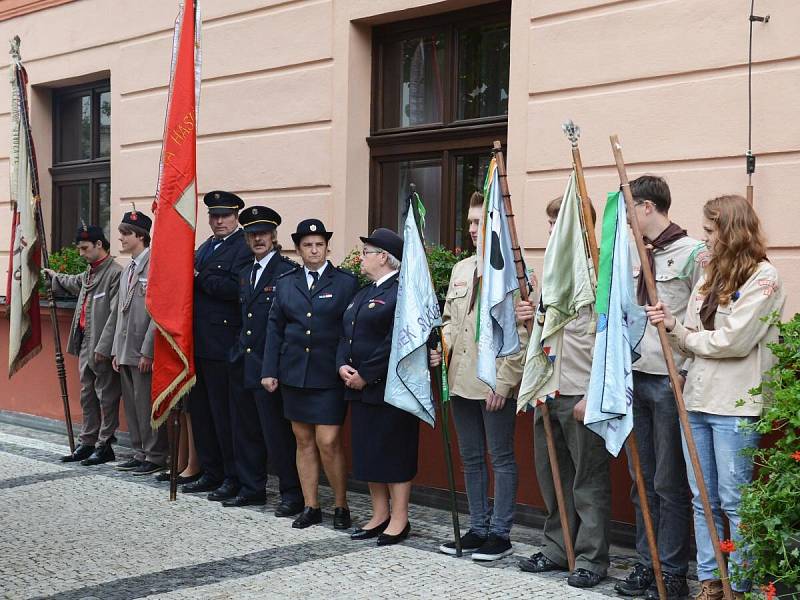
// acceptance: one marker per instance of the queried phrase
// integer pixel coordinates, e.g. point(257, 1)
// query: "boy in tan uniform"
point(90, 339)
point(583, 459)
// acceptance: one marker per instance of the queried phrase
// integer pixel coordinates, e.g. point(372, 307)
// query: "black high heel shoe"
point(386, 539)
point(368, 534)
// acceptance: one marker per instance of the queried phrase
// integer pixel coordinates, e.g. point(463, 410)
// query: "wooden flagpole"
point(22, 82)
point(436, 341)
point(573, 133)
point(652, 295)
point(522, 278)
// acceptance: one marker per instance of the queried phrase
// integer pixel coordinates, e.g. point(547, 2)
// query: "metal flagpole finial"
point(14, 52)
point(572, 131)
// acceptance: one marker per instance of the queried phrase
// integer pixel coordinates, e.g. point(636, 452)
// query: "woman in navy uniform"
point(260, 430)
point(384, 438)
point(300, 355)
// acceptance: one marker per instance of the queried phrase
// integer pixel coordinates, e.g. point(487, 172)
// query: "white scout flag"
point(620, 327)
point(408, 383)
point(567, 286)
point(497, 327)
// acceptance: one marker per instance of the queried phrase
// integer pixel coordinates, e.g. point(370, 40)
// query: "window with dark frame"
point(81, 170)
point(439, 100)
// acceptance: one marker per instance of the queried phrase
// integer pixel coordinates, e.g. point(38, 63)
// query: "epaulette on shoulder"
point(346, 272)
point(282, 275)
point(289, 261)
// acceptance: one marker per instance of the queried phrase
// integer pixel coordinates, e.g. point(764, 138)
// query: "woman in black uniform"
point(300, 355)
point(384, 438)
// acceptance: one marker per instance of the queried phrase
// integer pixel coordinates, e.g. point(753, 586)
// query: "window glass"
point(105, 125)
point(103, 200)
point(427, 176)
point(483, 62)
point(74, 204)
point(470, 176)
point(75, 121)
point(413, 81)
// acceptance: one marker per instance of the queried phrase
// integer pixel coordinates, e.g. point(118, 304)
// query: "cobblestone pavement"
point(81, 533)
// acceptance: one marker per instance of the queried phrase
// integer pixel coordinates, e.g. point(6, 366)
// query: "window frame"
point(445, 140)
point(92, 171)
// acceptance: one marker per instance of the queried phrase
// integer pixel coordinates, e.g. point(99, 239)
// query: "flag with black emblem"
point(496, 331)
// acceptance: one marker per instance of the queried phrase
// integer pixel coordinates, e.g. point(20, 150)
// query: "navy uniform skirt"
point(385, 443)
point(314, 406)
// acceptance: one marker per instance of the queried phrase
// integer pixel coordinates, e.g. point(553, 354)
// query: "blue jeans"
point(720, 441)
point(477, 430)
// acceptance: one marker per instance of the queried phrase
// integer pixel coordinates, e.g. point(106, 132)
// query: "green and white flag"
point(567, 286)
point(416, 315)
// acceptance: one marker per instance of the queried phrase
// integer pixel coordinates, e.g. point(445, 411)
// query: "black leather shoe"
point(82, 452)
point(128, 465)
point(675, 585)
point(385, 539)
point(189, 478)
point(341, 518)
point(539, 563)
point(101, 454)
point(368, 534)
point(205, 484)
point(289, 509)
point(309, 516)
point(244, 501)
point(583, 578)
point(637, 582)
point(163, 476)
point(227, 491)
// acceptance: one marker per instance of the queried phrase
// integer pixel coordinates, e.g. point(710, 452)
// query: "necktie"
point(131, 269)
point(314, 279)
point(254, 275)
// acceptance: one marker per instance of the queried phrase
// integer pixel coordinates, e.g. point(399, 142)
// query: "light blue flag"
point(620, 327)
point(408, 383)
point(496, 332)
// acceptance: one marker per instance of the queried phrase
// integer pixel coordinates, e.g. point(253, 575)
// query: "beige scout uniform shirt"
point(458, 331)
point(678, 268)
point(135, 331)
point(730, 360)
point(577, 349)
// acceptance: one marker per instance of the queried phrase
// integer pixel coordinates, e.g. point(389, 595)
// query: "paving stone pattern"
point(82, 533)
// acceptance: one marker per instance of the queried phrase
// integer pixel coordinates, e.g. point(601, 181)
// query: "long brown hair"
point(740, 246)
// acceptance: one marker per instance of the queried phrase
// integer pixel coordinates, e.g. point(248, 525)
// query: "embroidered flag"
point(25, 259)
point(620, 327)
point(567, 286)
point(496, 332)
point(408, 382)
point(169, 296)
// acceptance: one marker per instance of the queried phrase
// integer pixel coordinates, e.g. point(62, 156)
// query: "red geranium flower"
point(727, 546)
point(796, 456)
point(769, 590)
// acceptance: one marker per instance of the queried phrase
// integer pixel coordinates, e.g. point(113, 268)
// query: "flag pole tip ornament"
point(572, 131)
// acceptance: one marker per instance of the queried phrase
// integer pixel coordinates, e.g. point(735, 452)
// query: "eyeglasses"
point(364, 251)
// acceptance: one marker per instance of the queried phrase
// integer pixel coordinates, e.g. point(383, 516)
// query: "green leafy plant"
point(770, 506)
point(67, 260)
point(440, 260)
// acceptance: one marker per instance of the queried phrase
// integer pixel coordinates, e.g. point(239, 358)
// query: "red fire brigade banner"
point(171, 277)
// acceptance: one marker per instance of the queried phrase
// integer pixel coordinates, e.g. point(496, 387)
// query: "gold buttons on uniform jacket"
point(307, 350)
point(224, 321)
point(308, 332)
point(248, 350)
point(308, 314)
point(249, 315)
point(249, 332)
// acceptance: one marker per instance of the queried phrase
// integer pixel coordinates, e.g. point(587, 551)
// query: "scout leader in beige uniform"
point(90, 339)
point(583, 460)
point(726, 333)
point(677, 262)
point(133, 349)
point(484, 419)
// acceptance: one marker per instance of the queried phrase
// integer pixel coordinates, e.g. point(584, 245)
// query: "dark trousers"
point(583, 466)
point(210, 408)
point(658, 435)
point(262, 433)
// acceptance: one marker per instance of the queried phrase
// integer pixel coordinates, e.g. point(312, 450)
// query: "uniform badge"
point(371, 305)
point(312, 227)
point(255, 211)
point(325, 296)
point(670, 262)
point(216, 196)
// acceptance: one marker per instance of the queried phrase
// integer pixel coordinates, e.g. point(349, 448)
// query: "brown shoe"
point(711, 590)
